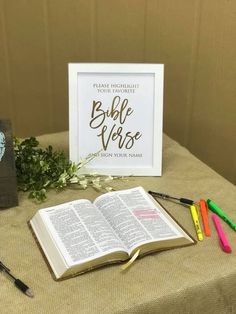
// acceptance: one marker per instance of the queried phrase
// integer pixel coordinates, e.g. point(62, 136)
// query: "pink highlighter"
point(223, 240)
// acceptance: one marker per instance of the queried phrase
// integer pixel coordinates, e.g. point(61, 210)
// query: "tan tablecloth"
point(200, 278)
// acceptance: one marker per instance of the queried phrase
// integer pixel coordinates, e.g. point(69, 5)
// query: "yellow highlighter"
point(196, 222)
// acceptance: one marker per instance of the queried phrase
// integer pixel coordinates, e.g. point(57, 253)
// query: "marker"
point(213, 207)
point(222, 238)
point(203, 209)
point(196, 222)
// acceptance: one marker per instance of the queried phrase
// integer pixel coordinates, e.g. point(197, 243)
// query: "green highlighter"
point(215, 209)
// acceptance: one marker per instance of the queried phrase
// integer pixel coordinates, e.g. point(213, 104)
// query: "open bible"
point(80, 235)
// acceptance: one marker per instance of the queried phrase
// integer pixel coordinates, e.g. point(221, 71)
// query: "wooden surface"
point(194, 39)
point(8, 186)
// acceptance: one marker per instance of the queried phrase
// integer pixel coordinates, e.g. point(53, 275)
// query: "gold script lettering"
point(98, 115)
point(119, 111)
point(124, 140)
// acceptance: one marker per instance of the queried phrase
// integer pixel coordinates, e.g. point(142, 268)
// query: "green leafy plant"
point(39, 170)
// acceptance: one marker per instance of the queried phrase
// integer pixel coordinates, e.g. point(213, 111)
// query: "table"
point(199, 278)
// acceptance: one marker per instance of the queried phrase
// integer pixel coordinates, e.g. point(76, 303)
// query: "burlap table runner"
point(200, 278)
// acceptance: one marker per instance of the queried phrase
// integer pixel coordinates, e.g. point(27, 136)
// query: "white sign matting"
point(116, 112)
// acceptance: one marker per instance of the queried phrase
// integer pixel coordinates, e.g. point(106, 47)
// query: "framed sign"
point(116, 113)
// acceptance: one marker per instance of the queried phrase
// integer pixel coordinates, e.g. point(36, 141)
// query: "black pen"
point(18, 283)
point(182, 200)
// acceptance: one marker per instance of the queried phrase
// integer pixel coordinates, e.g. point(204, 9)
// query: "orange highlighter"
point(203, 209)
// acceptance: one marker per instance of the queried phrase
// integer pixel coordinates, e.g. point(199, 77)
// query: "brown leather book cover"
point(8, 183)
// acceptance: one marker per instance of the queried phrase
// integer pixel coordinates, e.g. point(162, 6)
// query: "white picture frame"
point(116, 114)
